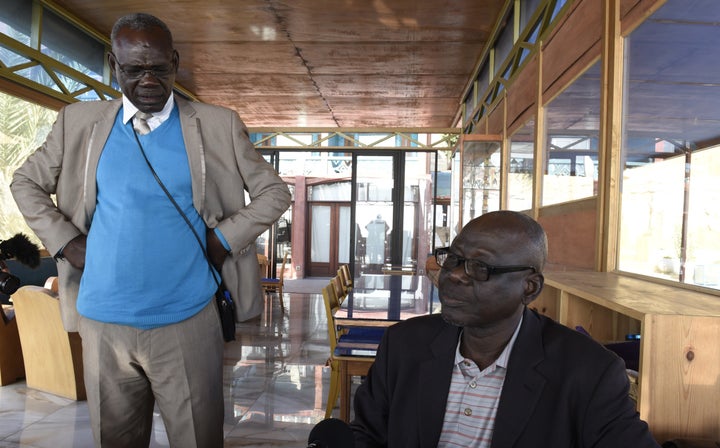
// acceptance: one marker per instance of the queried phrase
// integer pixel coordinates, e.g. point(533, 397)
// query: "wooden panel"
point(634, 12)
point(633, 297)
point(572, 47)
point(11, 358)
point(319, 63)
point(496, 119)
point(53, 357)
point(680, 380)
point(679, 375)
point(571, 229)
point(593, 318)
point(522, 94)
point(603, 324)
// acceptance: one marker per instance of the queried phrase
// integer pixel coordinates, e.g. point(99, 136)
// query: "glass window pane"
point(520, 168)
point(652, 205)
point(320, 250)
point(418, 210)
point(38, 74)
point(16, 19)
point(315, 164)
point(671, 158)
point(344, 237)
point(71, 46)
point(527, 9)
point(481, 178)
point(702, 265)
point(571, 152)
point(10, 59)
point(504, 43)
point(23, 127)
point(373, 212)
point(336, 191)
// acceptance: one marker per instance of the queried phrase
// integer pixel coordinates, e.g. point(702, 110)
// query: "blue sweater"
point(144, 268)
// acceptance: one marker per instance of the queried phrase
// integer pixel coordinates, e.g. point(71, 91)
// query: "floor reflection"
point(275, 388)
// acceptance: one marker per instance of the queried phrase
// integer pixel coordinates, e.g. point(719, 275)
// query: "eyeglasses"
point(138, 71)
point(475, 269)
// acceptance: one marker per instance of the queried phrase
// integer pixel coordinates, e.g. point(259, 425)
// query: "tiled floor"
point(276, 384)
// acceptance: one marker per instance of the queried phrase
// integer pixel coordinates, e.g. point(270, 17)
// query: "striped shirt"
point(473, 400)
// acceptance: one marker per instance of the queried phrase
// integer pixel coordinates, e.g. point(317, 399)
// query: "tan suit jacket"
point(223, 163)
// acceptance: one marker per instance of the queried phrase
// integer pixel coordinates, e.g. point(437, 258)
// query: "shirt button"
point(468, 412)
point(473, 384)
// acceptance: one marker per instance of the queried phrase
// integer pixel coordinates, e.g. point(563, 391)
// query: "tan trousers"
point(178, 366)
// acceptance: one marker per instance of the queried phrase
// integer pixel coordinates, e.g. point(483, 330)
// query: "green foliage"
point(23, 127)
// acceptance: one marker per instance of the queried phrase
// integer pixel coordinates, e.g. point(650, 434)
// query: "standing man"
point(133, 279)
point(488, 371)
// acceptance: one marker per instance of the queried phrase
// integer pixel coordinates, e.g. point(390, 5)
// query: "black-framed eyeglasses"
point(138, 71)
point(475, 269)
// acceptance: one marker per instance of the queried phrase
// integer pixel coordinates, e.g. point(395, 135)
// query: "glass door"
point(374, 213)
point(328, 241)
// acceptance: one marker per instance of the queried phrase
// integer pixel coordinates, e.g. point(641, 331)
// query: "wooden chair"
point(53, 357)
point(339, 288)
point(12, 367)
point(331, 306)
point(270, 285)
point(344, 272)
point(342, 367)
point(264, 265)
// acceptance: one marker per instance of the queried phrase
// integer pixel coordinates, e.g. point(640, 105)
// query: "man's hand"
point(74, 252)
point(215, 250)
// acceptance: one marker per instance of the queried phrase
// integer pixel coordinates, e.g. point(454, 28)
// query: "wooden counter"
point(679, 377)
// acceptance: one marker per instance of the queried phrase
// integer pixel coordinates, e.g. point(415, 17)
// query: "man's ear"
point(533, 285)
point(111, 64)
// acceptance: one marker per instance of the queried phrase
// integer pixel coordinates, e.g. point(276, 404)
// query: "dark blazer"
point(562, 389)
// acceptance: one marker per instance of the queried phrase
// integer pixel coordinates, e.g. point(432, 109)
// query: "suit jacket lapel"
point(436, 373)
point(99, 134)
point(523, 384)
point(192, 135)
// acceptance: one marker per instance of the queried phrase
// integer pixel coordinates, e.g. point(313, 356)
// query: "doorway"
point(329, 238)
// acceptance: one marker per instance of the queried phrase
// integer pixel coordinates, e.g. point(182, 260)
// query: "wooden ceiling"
point(321, 63)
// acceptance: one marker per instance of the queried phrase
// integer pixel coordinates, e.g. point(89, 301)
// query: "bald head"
point(529, 237)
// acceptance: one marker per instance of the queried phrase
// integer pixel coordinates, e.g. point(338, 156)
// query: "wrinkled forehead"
point(488, 237)
point(154, 39)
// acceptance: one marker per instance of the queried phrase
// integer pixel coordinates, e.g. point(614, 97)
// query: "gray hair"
point(139, 21)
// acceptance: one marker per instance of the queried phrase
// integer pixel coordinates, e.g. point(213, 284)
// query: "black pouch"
point(226, 308)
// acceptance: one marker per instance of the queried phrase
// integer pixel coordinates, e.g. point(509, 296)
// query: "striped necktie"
point(140, 122)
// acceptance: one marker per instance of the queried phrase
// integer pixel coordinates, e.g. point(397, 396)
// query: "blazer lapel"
point(436, 373)
point(192, 135)
point(523, 384)
point(99, 134)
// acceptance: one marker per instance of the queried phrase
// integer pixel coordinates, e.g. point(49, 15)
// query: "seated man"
point(488, 371)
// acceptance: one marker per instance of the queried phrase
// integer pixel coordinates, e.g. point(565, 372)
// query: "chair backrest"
point(264, 265)
point(345, 275)
point(339, 288)
point(52, 356)
point(341, 281)
point(331, 306)
point(281, 274)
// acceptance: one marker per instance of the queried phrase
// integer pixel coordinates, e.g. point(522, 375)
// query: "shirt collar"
point(502, 360)
point(129, 109)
